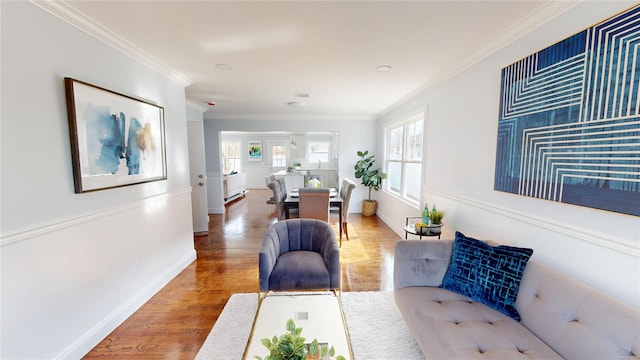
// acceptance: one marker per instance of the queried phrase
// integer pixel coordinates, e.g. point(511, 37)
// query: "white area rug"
point(375, 326)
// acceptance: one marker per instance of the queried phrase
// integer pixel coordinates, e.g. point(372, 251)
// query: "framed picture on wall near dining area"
point(255, 150)
point(116, 140)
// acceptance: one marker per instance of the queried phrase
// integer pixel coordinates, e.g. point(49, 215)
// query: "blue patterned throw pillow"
point(487, 274)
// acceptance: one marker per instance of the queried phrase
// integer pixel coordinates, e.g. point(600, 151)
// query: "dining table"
point(293, 202)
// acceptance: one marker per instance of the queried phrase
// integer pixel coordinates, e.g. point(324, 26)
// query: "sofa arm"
point(421, 262)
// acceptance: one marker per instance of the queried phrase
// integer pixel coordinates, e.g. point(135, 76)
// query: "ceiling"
point(279, 50)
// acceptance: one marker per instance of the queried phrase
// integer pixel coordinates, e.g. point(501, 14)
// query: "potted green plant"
point(292, 346)
point(371, 178)
point(435, 217)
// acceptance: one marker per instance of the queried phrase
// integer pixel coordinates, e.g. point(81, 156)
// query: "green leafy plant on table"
point(436, 216)
point(292, 346)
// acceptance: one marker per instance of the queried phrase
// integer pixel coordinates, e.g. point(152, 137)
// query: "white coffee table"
point(319, 314)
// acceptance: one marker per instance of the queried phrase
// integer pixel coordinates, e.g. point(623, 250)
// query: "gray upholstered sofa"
point(560, 317)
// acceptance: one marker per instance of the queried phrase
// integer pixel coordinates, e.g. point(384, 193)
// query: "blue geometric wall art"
point(569, 123)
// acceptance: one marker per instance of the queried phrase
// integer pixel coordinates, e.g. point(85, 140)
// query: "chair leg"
point(345, 230)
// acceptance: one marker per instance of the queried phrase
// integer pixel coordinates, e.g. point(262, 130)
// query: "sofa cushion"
point(488, 274)
point(448, 325)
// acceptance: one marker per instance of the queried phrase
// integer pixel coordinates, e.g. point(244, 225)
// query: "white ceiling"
point(328, 49)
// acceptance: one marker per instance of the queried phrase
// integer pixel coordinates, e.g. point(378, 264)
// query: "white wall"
point(598, 247)
point(354, 135)
point(257, 170)
point(74, 266)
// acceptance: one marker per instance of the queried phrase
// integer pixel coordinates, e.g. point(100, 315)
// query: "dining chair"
point(268, 179)
point(314, 203)
point(345, 194)
point(278, 198)
point(283, 186)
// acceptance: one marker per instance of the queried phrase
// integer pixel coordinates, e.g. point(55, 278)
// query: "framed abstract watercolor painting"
point(116, 140)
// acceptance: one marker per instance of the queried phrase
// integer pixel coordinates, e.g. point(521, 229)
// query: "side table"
point(429, 230)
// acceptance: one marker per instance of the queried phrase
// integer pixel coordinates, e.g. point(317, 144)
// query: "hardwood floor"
point(175, 322)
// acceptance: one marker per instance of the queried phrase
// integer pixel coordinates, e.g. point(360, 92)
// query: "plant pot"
point(435, 228)
point(369, 207)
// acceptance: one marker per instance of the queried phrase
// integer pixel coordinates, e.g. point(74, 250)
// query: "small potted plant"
point(292, 346)
point(371, 178)
point(435, 217)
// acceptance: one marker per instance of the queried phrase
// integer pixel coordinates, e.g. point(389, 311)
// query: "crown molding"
point(544, 14)
point(195, 106)
point(212, 115)
point(72, 16)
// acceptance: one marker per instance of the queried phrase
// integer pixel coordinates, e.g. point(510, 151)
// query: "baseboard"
point(216, 210)
point(235, 197)
point(93, 337)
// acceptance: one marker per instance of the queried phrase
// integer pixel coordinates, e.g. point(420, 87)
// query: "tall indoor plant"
point(372, 178)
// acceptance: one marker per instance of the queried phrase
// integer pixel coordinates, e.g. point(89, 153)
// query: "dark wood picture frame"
point(116, 140)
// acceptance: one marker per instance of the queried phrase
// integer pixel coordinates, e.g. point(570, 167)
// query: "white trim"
point(546, 13)
point(98, 333)
point(196, 106)
point(408, 118)
point(607, 242)
point(72, 16)
point(286, 117)
point(59, 224)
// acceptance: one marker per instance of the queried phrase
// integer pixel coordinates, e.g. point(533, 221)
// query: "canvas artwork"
point(255, 150)
point(569, 122)
point(116, 140)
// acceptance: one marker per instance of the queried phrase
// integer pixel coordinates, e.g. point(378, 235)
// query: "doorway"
point(278, 156)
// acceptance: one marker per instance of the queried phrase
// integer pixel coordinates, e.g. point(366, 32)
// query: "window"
point(318, 152)
point(278, 156)
point(404, 159)
point(230, 157)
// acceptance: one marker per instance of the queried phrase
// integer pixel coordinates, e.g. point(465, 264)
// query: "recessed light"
point(383, 68)
point(224, 67)
point(296, 104)
point(301, 95)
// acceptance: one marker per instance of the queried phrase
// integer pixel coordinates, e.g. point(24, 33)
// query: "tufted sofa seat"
point(560, 317)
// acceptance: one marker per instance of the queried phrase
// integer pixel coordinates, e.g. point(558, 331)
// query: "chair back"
point(314, 203)
point(345, 194)
point(278, 198)
point(283, 186)
point(269, 178)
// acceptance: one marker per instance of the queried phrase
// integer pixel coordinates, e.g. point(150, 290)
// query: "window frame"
point(310, 153)
point(391, 158)
point(237, 158)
